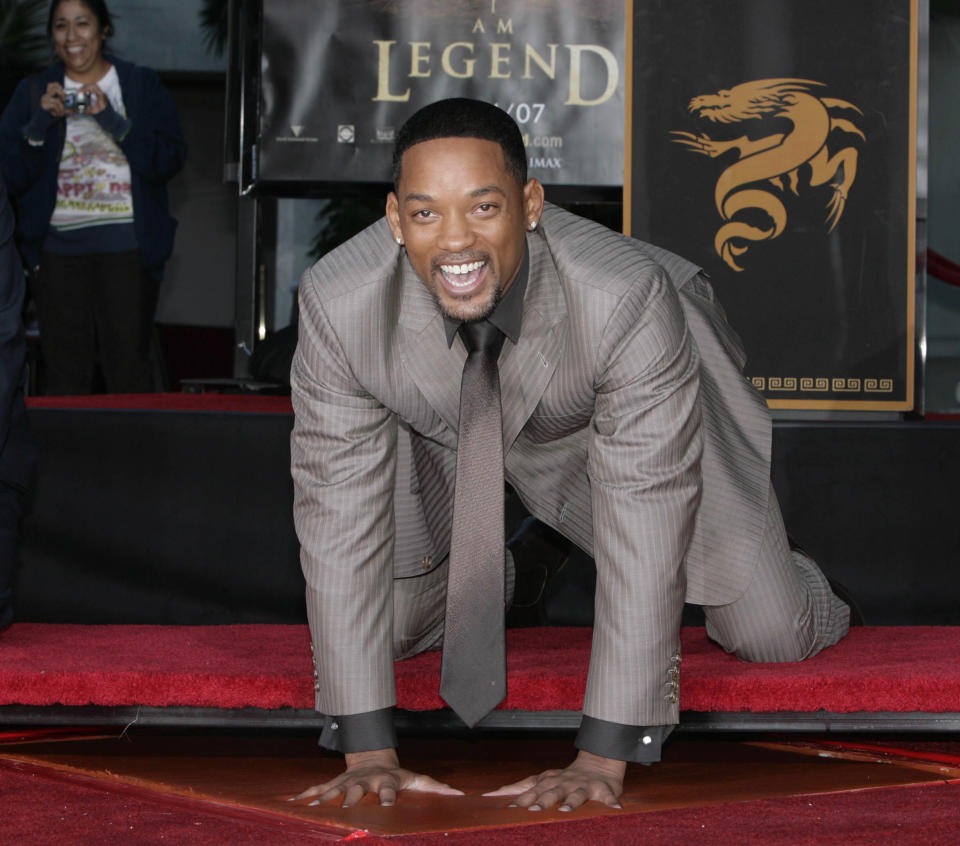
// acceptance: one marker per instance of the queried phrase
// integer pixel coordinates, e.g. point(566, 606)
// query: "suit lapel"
point(526, 370)
point(435, 368)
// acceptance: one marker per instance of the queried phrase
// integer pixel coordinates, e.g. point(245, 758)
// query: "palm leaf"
point(214, 16)
point(24, 45)
point(341, 218)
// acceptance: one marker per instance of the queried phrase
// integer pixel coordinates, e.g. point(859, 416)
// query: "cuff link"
point(316, 671)
point(673, 680)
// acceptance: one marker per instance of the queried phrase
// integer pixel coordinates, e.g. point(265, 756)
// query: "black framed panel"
point(338, 78)
point(773, 142)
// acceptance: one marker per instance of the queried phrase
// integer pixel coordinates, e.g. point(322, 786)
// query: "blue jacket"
point(154, 148)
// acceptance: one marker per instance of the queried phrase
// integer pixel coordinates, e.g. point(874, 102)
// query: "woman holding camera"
point(86, 148)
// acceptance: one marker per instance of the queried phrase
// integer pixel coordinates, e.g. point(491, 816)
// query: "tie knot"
point(481, 336)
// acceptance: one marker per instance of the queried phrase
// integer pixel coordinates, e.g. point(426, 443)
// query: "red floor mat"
point(892, 669)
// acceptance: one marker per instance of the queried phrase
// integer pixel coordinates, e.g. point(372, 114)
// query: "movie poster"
point(339, 78)
point(773, 143)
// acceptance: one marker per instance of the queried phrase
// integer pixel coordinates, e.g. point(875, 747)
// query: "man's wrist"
point(641, 744)
point(368, 731)
point(384, 758)
point(610, 766)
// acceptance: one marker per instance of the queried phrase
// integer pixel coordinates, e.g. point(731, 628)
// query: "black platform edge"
point(445, 721)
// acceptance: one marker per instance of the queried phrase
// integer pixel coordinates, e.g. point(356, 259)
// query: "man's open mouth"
point(462, 277)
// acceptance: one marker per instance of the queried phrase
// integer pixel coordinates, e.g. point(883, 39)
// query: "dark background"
point(186, 517)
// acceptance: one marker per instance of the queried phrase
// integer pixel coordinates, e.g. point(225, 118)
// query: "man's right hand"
point(377, 771)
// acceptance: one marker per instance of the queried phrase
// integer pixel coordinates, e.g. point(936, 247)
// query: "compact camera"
point(79, 101)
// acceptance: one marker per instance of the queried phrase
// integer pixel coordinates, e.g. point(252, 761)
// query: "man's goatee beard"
point(474, 318)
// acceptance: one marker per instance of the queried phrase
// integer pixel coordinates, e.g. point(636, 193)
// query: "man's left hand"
point(589, 778)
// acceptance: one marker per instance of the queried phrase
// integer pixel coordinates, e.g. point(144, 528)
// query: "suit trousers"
point(94, 309)
point(11, 499)
point(787, 613)
point(419, 604)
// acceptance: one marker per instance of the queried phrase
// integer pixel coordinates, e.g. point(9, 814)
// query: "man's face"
point(463, 217)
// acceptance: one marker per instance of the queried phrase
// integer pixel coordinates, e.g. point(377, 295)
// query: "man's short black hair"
point(460, 117)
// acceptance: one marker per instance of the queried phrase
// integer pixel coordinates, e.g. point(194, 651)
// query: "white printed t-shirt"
point(93, 185)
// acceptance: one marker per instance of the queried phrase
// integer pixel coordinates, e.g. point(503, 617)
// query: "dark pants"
point(10, 504)
point(95, 309)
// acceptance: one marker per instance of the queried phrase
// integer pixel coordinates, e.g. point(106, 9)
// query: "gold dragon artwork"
point(745, 186)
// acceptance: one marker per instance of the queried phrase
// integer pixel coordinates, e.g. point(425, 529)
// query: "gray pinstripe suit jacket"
point(627, 426)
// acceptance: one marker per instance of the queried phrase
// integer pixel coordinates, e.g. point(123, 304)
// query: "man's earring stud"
point(533, 225)
point(399, 241)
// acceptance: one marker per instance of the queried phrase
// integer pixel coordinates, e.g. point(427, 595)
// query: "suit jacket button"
point(427, 562)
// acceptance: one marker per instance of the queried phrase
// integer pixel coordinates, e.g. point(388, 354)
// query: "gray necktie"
point(473, 679)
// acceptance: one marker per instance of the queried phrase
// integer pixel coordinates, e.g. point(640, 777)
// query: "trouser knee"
point(419, 605)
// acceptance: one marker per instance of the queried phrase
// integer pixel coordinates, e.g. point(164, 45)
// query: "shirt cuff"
point(112, 122)
point(359, 732)
point(640, 744)
point(35, 129)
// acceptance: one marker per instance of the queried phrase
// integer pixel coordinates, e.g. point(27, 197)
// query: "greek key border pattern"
point(823, 384)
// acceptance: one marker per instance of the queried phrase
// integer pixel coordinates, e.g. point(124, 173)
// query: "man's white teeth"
point(460, 269)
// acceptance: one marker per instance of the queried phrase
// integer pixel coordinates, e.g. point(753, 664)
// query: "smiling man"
point(625, 425)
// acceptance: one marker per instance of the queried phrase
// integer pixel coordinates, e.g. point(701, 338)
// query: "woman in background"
point(87, 147)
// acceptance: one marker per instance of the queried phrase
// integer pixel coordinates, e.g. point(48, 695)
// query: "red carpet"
point(895, 669)
point(248, 403)
point(41, 807)
point(906, 816)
